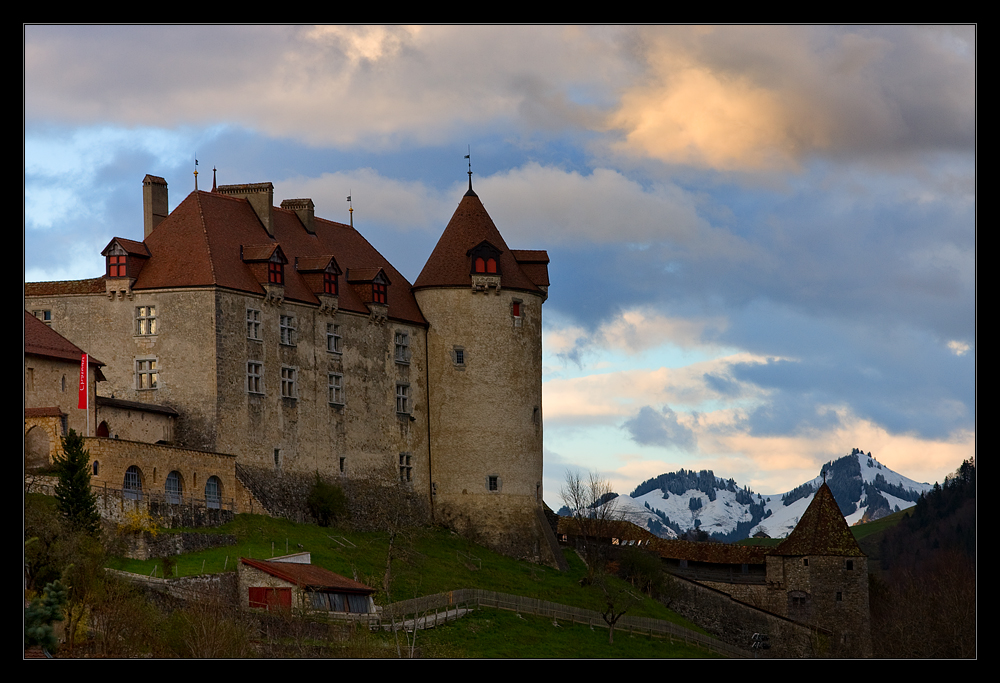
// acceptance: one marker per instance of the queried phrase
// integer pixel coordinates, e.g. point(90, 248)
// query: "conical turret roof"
point(822, 530)
point(449, 264)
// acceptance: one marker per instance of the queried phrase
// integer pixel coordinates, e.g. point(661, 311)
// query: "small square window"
point(405, 468)
point(402, 347)
point(288, 377)
point(287, 329)
point(255, 377)
point(334, 342)
point(458, 356)
point(493, 483)
point(402, 398)
point(850, 565)
point(146, 374)
point(336, 389)
point(145, 320)
point(253, 324)
point(44, 316)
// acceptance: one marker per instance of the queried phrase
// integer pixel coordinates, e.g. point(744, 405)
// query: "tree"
point(41, 613)
point(595, 511)
point(617, 601)
point(326, 502)
point(74, 498)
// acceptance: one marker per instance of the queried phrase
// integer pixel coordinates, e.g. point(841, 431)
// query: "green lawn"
point(429, 560)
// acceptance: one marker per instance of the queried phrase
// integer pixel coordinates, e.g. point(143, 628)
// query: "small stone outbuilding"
point(292, 582)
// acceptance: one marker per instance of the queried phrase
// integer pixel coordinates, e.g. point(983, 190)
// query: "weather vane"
point(195, 172)
point(350, 207)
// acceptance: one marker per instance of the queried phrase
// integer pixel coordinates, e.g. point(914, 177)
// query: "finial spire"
point(213, 179)
point(469, 157)
point(350, 209)
point(196, 173)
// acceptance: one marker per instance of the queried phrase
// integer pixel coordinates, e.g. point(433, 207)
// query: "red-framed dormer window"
point(485, 265)
point(275, 273)
point(117, 266)
point(330, 283)
point(379, 293)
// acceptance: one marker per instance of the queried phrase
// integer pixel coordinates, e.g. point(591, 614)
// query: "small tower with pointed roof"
point(483, 302)
point(819, 576)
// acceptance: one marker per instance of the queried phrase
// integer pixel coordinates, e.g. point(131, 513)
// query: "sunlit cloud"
point(958, 348)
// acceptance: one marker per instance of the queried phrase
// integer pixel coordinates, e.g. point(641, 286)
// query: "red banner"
point(84, 394)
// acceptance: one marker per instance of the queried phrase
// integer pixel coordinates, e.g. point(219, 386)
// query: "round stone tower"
point(483, 302)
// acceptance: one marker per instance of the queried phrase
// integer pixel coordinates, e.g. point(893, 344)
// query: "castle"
point(241, 332)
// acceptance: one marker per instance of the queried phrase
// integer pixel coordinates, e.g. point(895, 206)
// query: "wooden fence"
point(444, 606)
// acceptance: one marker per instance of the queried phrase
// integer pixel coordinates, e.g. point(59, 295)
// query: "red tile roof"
point(50, 411)
point(58, 288)
point(308, 576)
point(42, 340)
point(716, 553)
point(822, 530)
point(449, 264)
point(199, 245)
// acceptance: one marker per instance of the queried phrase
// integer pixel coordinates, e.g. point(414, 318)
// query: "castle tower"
point(819, 576)
point(483, 302)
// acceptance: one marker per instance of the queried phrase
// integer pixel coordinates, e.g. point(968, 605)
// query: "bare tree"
point(595, 511)
point(617, 601)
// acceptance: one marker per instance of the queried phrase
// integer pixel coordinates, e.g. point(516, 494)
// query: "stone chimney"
point(261, 198)
point(305, 210)
point(154, 203)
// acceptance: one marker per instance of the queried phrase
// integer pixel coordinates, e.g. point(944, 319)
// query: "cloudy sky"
point(762, 238)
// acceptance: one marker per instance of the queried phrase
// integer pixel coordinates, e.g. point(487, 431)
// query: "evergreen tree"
point(74, 498)
point(41, 613)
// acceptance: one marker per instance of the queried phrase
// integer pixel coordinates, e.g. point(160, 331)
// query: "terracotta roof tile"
point(58, 288)
point(50, 411)
point(822, 530)
point(449, 264)
point(308, 576)
point(42, 340)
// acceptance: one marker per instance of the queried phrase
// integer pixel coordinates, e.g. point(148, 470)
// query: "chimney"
point(261, 198)
point(305, 210)
point(154, 203)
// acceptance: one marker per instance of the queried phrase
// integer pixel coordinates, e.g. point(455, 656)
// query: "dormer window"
point(485, 259)
point(488, 265)
point(117, 266)
point(330, 283)
point(379, 293)
point(275, 273)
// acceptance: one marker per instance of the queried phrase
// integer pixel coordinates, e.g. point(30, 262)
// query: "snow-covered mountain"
point(675, 502)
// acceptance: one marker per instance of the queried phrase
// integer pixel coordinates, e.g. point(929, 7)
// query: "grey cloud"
point(651, 427)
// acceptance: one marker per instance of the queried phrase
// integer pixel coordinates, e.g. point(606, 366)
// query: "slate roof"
point(822, 530)
point(470, 225)
point(309, 576)
point(716, 553)
point(136, 405)
point(42, 340)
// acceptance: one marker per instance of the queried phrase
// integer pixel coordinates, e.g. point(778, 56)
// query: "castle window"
point(493, 483)
point(379, 293)
point(117, 265)
point(330, 283)
point(44, 316)
point(132, 487)
point(333, 338)
point(253, 324)
point(146, 374)
point(96, 467)
point(485, 265)
point(515, 308)
point(174, 488)
point(336, 388)
point(402, 398)
point(840, 596)
point(849, 565)
point(213, 493)
point(275, 273)
point(402, 347)
point(145, 320)
point(288, 389)
point(458, 356)
point(286, 326)
point(405, 468)
point(255, 377)
point(343, 465)
point(805, 561)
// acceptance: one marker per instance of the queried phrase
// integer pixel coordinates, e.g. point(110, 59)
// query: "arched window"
point(96, 467)
point(213, 493)
point(132, 489)
point(175, 488)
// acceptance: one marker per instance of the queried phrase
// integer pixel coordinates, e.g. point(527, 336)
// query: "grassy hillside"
point(432, 560)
